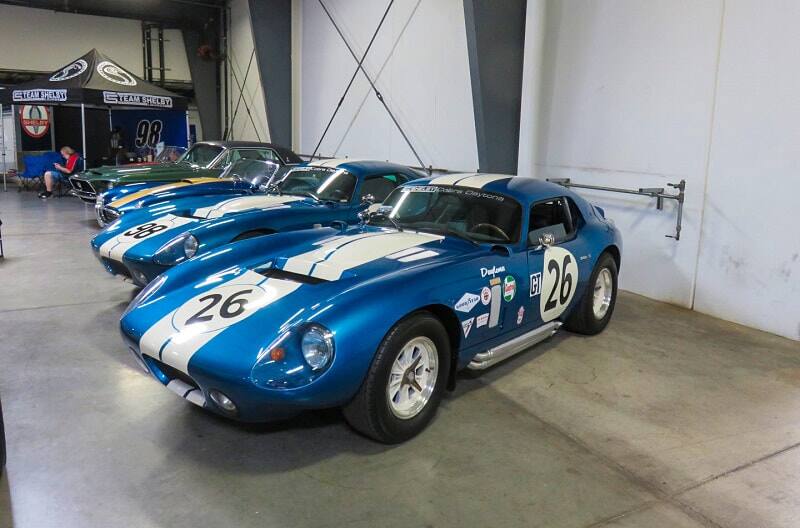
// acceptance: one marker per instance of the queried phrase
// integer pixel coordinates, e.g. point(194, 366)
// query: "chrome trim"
point(484, 360)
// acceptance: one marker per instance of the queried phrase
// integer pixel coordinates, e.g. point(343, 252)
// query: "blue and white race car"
point(145, 242)
point(377, 318)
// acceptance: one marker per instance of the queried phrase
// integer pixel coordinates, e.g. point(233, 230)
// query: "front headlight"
point(175, 250)
point(146, 293)
point(100, 200)
point(110, 185)
point(190, 246)
point(317, 347)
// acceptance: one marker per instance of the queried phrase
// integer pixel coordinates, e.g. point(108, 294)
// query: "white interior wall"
point(252, 93)
point(637, 94)
point(419, 63)
point(25, 32)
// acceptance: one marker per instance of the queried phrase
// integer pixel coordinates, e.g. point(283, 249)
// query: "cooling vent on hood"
point(275, 273)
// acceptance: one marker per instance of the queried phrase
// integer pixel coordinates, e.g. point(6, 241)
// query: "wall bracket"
point(653, 192)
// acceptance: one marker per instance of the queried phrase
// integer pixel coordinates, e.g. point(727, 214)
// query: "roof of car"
point(524, 189)
point(361, 167)
point(288, 155)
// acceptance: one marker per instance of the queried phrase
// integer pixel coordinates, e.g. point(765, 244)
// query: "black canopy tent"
point(94, 81)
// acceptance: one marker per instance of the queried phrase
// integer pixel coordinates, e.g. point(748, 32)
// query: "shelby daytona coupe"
point(141, 244)
point(244, 176)
point(460, 271)
point(205, 159)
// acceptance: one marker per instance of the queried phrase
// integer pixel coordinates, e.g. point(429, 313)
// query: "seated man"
point(59, 171)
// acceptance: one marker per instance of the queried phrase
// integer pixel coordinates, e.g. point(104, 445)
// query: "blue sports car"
point(377, 318)
point(145, 242)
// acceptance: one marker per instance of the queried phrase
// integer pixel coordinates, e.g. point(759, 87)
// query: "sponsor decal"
point(520, 315)
point(68, 72)
point(111, 72)
point(133, 99)
point(536, 284)
point(467, 302)
point(34, 120)
point(509, 288)
point(453, 190)
point(495, 281)
point(21, 96)
point(467, 326)
point(497, 300)
point(558, 283)
point(481, 320)
point(486, 295)
point(491, 272)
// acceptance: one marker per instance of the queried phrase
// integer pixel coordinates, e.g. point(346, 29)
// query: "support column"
point(206, 86)
point(271, 24)
point(495, 42)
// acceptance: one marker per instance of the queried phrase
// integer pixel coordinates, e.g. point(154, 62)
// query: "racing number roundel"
point(559, 281)
point(220, 307)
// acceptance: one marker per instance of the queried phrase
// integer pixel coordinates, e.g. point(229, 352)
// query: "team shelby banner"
point(135, 99)
point(147, 128)
point(37, 95)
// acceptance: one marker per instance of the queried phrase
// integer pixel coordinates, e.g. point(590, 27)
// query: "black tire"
point(369, 412)
point(583, 319)
point(250, 234)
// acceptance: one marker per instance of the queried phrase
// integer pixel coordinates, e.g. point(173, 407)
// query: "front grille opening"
point(171, 373)
point(116, 268)
point(276, 273)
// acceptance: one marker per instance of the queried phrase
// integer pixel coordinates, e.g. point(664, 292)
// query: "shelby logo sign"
point(133, 99)
point(34, 120)
point(39, 95)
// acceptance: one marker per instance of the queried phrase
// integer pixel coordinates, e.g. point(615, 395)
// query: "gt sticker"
point(559, 282)
point(520, 315)
point(481, 320)
point(467, 326)
point(536, 284)
point(219, 308)
point(486, 296)
point(509, 288)
point(467, 302)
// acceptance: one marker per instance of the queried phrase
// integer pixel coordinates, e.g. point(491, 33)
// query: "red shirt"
point(71, 162)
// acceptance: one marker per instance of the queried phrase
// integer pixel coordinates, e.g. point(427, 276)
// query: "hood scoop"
point(276, 273)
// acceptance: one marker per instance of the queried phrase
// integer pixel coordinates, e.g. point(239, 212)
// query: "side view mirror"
point(363, 216)
point(368, 199)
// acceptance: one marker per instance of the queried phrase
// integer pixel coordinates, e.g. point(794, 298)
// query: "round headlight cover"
point(190, 246)
point(317, 347)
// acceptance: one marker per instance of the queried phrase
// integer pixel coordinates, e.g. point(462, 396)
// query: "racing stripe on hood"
point(132, 197)
point(115, 247)
point(336, 256)
point(244, 203)
point(174, 342)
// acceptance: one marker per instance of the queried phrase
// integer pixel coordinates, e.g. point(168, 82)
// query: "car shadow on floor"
point(6, 518)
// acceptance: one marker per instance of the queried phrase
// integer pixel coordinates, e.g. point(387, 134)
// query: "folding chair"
point(31, 177)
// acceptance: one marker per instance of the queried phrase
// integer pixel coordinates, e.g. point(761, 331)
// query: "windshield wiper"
point(394, 222)
point(452, 232)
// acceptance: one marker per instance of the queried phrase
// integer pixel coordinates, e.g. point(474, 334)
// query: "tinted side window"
point(549, 217)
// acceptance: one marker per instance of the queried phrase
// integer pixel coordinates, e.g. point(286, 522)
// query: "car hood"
point(216, 206)
point(167, 191)
point(293, 276)
point(127, 174)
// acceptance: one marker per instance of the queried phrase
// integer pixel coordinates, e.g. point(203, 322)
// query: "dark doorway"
point(68, 132)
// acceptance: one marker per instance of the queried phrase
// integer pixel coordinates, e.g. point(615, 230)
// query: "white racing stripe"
point(114, 248)
point(331, 260)
point(175, 347)
point(451, 179)
point(480, 181)
point(244, 203)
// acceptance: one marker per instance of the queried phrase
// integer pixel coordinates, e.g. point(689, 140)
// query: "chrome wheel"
point(412, 378)
point(603, 290)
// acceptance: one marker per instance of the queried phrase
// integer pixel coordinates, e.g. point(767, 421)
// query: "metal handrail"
point(653, 192)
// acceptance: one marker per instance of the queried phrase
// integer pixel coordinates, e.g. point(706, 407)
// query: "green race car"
point(205, 159)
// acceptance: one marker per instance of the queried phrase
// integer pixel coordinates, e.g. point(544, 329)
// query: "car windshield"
point(253, 171)
point(200, 154)
point(169, 154)
point(463, 212)
point(319, 183)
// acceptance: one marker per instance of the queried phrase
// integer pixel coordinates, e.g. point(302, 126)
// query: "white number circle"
point(219, 308)
point(559, 281)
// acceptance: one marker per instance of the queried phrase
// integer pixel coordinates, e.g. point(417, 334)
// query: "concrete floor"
point(668, 419)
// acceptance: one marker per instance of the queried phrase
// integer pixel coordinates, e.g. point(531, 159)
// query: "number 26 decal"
point(219, 308)
point(560, 279)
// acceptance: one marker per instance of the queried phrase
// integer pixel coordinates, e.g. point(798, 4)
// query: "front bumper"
point(141, 273)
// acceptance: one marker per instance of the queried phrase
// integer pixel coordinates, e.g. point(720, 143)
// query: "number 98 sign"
point(219, 308)
point(148, 133)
